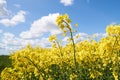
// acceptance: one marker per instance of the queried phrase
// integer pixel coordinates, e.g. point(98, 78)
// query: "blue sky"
point(25, 22)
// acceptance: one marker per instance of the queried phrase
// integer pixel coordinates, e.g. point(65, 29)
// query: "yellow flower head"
point(52, 38)
point(63, 21)
point(113, 30)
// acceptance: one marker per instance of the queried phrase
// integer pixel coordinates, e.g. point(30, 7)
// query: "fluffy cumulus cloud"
point(67, 2)
point(44, 25)
point(9, 42)
point(3, 10)
point(16, 19)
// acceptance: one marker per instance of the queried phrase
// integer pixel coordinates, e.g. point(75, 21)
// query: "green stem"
point(33, 63)
point(73, 42)
point(35, 66)
point(74, 51)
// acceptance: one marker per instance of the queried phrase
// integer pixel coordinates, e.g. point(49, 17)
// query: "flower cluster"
point(113, 30)
point(63, 21)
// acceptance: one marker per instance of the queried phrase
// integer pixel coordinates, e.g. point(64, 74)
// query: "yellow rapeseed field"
point(85, 60)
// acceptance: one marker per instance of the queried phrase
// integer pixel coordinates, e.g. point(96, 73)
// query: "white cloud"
point(9, 42)
point(16, 19)
point(3, 11)
point(100, 35)
point(44, 25)
point(85, 36)
point(8, 35)
point(65, 39)
point(2, 46)
point(43, 42)
point(82, 36)
point(67, 2)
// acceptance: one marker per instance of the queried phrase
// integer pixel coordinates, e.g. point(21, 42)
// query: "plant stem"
point(74, 51)
point(73, 42)
point(32, 63)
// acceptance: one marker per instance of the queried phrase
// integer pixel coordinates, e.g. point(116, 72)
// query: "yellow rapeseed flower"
point(113, 30)
point(52, 38)
point(63, 21)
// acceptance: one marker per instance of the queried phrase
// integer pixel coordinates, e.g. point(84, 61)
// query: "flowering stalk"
point(73, 48)
point(33, 63)
point(63, 22)
point(34, 66)
point(73, 43)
